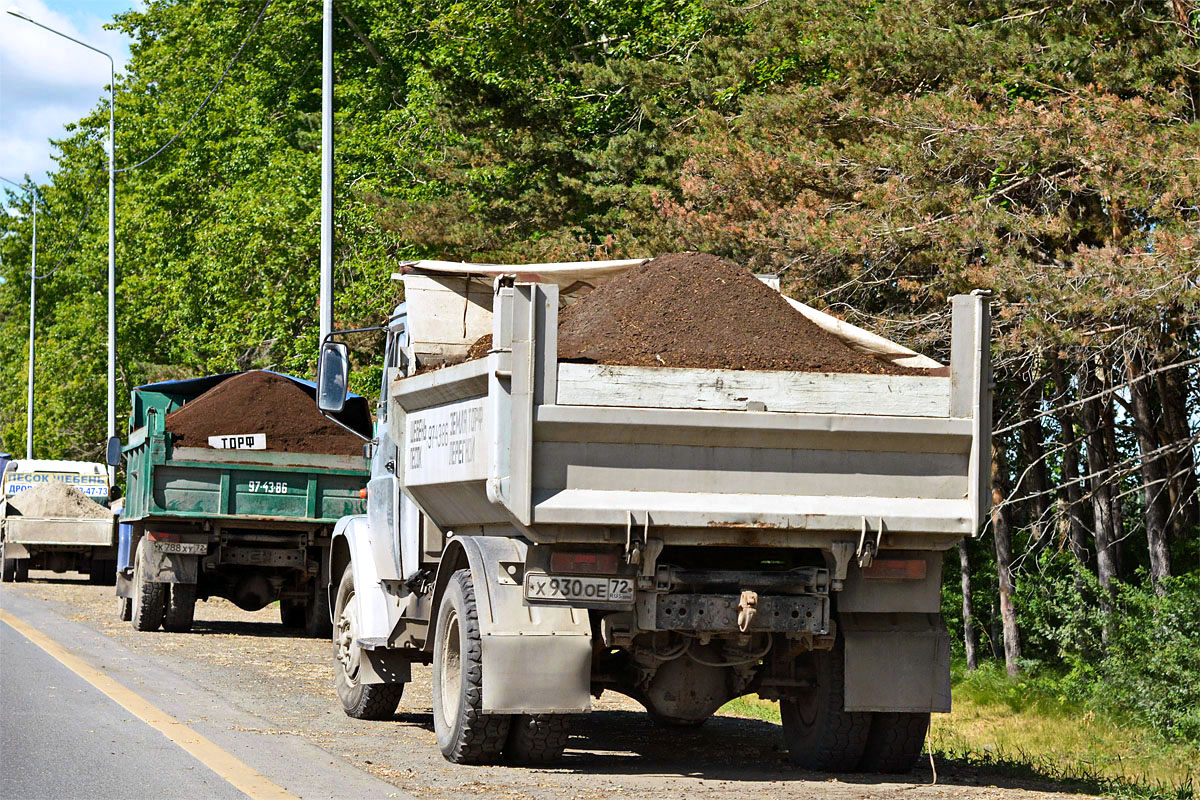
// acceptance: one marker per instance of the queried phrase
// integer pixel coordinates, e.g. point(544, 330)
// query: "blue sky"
point(46, 81)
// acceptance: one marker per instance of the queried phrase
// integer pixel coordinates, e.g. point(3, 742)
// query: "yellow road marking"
point(229, 767)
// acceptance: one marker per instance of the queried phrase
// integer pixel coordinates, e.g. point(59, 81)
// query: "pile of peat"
point(699, 311)
point(261, 402)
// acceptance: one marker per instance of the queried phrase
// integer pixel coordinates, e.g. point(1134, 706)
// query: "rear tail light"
point(362, 493)
point(910, 569)
point(156, 536)
point(590, 563)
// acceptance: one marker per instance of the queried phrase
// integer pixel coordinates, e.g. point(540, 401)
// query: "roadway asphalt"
point(60, 737)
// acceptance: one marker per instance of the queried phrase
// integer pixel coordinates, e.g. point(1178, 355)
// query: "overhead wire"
point(210, 95)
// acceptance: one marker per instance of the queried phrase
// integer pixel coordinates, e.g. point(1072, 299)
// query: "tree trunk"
point(1175, 428)
point(969, 639)
point(1093, 415)
point(1112, 457)
point(1154, 473)
point(1036, 482)
point(1002, 534)
point(1073, 509)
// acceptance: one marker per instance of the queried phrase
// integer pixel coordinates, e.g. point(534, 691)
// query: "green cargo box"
point(165, 482)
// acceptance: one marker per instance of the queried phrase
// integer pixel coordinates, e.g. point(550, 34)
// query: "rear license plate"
point(182, 548)
point(569, 589)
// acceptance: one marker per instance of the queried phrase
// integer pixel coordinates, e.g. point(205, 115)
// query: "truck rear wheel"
point(102, 572)
point(820, 734)
point(316, 614)
point(124, 609)
point(149, 598)
point(464, 733)
point(9, 572)
point(537, 738)
point(291, 613)
point(359, 700)
point(894, 742)
point(180, 608)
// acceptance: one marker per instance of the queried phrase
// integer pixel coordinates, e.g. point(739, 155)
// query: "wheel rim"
point(450, 663)
point(348, 651)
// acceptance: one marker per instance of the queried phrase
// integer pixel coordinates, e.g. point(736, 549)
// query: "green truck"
point(249, 525)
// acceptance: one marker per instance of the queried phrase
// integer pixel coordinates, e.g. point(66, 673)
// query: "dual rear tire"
point(13, 569)
point(465, 734)
point(170, 605)
point(822, 736)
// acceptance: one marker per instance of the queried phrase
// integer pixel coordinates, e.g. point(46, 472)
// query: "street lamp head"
point(16, 12)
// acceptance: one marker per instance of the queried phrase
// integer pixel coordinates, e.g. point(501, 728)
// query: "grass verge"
point(1019, 729)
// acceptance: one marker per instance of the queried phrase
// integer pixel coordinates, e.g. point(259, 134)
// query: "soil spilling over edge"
point(56, 500)
point(261, 402)
point(699, 311)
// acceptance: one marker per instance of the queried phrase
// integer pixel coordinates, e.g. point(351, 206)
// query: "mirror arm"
point(337, 421)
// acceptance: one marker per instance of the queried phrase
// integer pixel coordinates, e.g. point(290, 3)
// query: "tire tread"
point(538, 738)
point(894, 742)
point(483, 735)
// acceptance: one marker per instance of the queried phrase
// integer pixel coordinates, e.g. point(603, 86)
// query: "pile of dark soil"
point(261, 402)
point(57, 500)
point(699, 311)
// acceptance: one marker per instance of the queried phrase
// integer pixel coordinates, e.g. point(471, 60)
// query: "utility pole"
point(112, 233)
point(326, 281)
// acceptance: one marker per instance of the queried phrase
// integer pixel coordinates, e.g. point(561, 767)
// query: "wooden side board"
point(728, 390)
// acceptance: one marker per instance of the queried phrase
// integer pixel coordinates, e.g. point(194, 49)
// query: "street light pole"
point(32, 314)
point(112, 234)
point(325, 299)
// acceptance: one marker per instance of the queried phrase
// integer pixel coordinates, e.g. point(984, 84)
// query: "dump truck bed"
point(72, 532)
point(587, 452)
point(170, 482)
point(196, 483)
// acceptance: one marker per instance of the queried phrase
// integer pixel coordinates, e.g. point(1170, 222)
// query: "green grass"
point(1020, 728)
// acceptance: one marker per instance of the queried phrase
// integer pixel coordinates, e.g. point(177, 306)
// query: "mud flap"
point(536, 660)
point(896, 662)
point(171, 567)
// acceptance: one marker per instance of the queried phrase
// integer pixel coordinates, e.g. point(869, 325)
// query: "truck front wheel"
point(464, 733)
point(820, 734)
point(894, 742)
point(149, 598)
point(180, 608)
point(359, 700)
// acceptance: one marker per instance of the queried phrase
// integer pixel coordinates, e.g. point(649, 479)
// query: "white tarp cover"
point(571, 276)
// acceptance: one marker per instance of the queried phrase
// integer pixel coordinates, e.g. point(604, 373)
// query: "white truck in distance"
point(58, 541)
point(541, 531)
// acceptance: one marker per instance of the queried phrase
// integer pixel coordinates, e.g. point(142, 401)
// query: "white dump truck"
point(541, 531)
point(72, 534)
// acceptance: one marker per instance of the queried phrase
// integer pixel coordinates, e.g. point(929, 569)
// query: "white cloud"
point(47, 82)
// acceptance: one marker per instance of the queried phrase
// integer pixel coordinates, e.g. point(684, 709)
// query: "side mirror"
point(112, 455)
point(333, 371)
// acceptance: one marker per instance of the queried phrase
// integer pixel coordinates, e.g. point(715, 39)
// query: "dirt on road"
point(615, 752)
